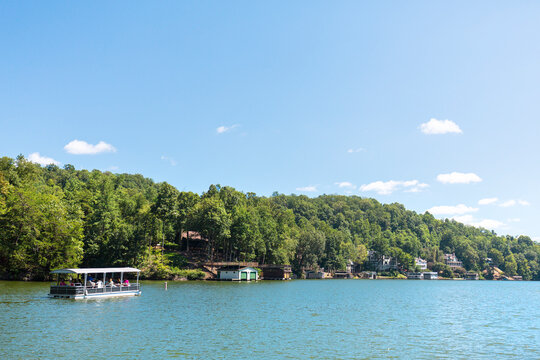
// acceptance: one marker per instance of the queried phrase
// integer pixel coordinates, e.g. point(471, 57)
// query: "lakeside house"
point(430, 275)
point(276, 272)
point(471, 276)
point(238, 273)
point(452, 261)
point(421, 263)
point(381, 263)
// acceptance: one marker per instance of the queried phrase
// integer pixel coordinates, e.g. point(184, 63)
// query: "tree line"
point(52, 217)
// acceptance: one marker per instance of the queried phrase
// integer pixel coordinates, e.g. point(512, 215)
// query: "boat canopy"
point(95, 270)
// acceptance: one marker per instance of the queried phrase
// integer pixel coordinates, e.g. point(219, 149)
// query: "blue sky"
point(307, 97)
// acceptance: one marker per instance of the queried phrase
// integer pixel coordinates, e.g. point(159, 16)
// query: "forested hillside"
point(53, 217)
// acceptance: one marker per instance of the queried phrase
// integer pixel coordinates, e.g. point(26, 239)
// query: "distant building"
point(342, 275)
point(276, 272)
point(489, 261)
point(421, 263)
point(381, 263)
point(311, 274)
point(350, 267)
point(238, 273)
point(368, 275)
point(471, 276)
point(452, 261)
point(430, 276)
point(415, 276)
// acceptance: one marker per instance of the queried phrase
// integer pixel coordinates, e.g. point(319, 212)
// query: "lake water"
point(299, 319)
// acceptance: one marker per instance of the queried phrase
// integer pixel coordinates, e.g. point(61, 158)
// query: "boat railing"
point(81, 290)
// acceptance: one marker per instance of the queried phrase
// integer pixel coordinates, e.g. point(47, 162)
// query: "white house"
point(421, 263)
point(238, 273)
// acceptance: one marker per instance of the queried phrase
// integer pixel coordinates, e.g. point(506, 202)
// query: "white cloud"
point(508, 203)
point(417, 188)
point(79, 147)
point(487, 201)
point(512, 202)
point(357, 150)
point(489, 224)
point(345, 184)
point(451, 210)
point(41, 160)
point(388, 187)
point(513, 220)
point(113, 168)
point(223, 129)
point(310, 188)
point(169, 160)
point(458, 178)
point(435, 127)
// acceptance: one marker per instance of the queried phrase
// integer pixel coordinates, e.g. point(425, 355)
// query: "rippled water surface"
point(299, 319)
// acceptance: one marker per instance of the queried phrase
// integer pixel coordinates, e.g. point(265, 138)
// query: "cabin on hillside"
point(452, 261)
point(194, 242)
point(238, 273)
point(276, 272)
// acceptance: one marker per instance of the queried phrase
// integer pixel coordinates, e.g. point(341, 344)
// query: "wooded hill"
point(53, 217)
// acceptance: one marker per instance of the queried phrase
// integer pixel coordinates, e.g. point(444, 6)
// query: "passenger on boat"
point(111, 283)
point(62, 283)
point(99, 284)
point(126, 282)
point(92, 284)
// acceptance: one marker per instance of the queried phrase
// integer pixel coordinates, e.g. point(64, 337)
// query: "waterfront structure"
point(381, 262)
point(238, 273)
point(471, 276)
point(276, 272)
point(83, 285)
point(430, 275)
point(452, 261)
point(311, 274)
point(342, 275)
point(421, 263)
point(415, 276)
point(372, 275)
